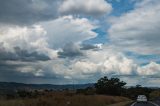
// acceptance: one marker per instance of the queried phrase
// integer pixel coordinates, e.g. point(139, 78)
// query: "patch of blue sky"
point(143, 59)
point(101, 37)
point(121, 6)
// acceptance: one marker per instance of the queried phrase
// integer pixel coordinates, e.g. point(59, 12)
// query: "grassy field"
point(62, 99)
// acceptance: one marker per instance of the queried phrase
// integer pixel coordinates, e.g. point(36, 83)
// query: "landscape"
point(106, 92)
point(79, 52)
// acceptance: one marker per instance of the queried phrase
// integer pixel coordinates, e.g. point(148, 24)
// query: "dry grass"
point(122, 104)
point(63, 99)
point(154, 94)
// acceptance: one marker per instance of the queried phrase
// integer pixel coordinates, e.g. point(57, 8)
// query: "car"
point(142, 98)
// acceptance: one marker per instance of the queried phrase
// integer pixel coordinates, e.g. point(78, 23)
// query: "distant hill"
point(19, 86)
point(12, 87)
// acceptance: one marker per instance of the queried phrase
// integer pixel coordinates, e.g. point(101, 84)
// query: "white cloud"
point(68, 29)
point(85, 7)
point(152, 69)
point(109, 62)
point(94, 65)
point(119, 65)
point(26, 38)
point(89, 68)
point(31, 69)
point(138, 30)
point(47, 37)
point(20, 36)
point(85, 68)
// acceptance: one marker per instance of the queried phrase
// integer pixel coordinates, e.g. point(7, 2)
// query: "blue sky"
point(121, 6)
point(61, 41)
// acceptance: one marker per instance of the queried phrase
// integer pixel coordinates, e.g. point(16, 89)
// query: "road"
point(157, 101)
point(145, 104)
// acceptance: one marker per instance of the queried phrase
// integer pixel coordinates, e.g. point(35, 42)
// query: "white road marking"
point(133, 103)
point(154, 104)
point(148, 102)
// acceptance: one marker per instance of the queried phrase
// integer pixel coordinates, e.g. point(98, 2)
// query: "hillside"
point(6, 87)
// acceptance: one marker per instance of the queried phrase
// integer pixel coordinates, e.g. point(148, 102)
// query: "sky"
point(80, 41)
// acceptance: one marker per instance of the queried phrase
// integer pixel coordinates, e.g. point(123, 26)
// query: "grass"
point(127, 103)
point(63, 99)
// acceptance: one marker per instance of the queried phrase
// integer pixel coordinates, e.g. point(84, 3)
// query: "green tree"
point(111, 86)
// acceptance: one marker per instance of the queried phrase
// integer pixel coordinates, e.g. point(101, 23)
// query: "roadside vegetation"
point(154, 94)
point(66, 98)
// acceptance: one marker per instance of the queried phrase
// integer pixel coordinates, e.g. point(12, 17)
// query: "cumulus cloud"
point(74, 30)
point(47, 37)
point(152, 69)
point(138, 30)
point(94, 65)
point(83, 7)
point(70, 50)
point(41, 43)
point(110, 62)
point(32, 39)
point(27, 11)
point(119, 65)
point(88, 68)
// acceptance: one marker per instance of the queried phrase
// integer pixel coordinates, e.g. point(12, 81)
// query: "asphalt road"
point(157, 101)
point(145, 104)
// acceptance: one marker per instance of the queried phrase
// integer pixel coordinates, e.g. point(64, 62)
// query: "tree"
point(111, 86)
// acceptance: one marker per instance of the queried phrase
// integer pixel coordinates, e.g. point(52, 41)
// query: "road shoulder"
point(153, 103)
point(133, 104)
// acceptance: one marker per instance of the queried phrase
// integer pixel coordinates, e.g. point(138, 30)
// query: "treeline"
point(115, 87)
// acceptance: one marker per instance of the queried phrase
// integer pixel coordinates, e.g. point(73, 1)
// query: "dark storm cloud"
point(88, 47)
point(27, 11)
point(9, 65)
point(70, 50)
point(21, 55)
point(33, 56)
point(4, 67)
point(9, 72)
